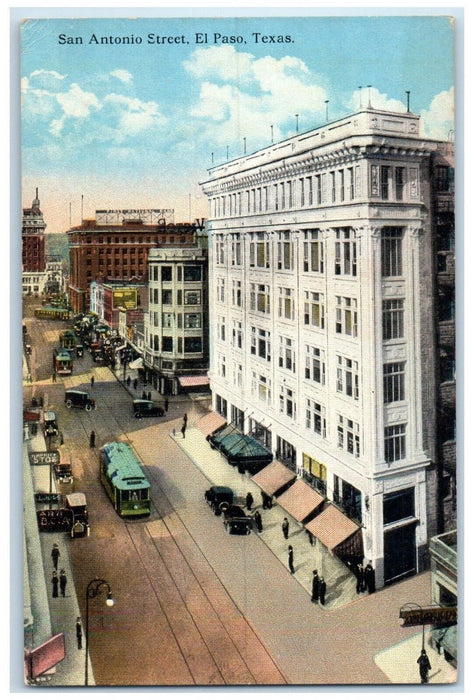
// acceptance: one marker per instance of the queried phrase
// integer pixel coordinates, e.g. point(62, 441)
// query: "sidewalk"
point(341, 583)
point(48, 615)
point(399, 663)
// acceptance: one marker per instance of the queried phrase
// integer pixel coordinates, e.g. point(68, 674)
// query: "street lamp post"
point(92, 591)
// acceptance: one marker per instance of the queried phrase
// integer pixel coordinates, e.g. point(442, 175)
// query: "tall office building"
point(32, 236)
point(323, 332)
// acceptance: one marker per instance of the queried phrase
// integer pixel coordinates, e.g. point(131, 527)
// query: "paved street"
point(194, 605)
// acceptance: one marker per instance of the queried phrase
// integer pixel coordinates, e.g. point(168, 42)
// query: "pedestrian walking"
point(360, 578)
point(310, 538)
point(258, 520)
point(55, 581)
point(92, 439)
point(249, 501)
point(135, 383)
point(185, 419)
point(54, 376)
point(322, 591)
point(143, 394)
point(285, 526)
point(79, 632)
point(424, 666)
point(128, 381)
point(167, 403)
point(183, 430)
point(92, 382)
point(290, 559)
point(63, 582)
point(369, 577)
point(315, 587)
point(55, 554)
point(149, 396)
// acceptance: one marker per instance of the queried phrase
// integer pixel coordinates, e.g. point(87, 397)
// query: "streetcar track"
point(189, 534)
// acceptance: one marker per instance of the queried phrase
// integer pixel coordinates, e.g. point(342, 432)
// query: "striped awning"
point(198, 380)
point(300, 500)
point(211, 422)
point(274, 477)
point(333, 528)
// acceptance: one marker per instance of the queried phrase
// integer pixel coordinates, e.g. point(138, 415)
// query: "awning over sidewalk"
point(337, 532)
point(300, 500)
point(447, 638)
point(217, 436)
point(274, 477)
point(136, 364)
point(198, 380)
point(210, 423)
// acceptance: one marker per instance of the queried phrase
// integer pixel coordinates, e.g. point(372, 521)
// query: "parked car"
point(79, 399)
point(142, 407)
point(236, 522)
point(50, 423)
point(218, 497)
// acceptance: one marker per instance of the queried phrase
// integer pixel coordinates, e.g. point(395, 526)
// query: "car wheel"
point(88, 407)
point(138, 415)
point(223, 505)
point(69, 403)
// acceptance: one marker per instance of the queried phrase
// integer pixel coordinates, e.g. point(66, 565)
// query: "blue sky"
point(134, 125)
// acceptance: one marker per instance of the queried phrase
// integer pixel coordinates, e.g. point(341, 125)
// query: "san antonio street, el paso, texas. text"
point(163, 39)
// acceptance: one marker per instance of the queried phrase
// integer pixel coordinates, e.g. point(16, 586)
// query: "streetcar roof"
point(123, 466)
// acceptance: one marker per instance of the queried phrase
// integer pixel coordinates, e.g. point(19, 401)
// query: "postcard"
point(239, 351)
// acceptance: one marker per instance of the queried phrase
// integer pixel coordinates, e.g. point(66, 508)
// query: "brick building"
point(32, 234)
point(114, 247)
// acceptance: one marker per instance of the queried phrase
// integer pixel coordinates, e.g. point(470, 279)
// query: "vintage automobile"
point(76, 503)
point(79, 399)
point(79, 350)
point(219, 497)
point(50, 426)
point(143, 407)
point(235, 520)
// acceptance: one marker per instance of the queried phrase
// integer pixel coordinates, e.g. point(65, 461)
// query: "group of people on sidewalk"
point(59, 584)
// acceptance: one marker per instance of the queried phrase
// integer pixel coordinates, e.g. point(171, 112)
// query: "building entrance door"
point(399, 553)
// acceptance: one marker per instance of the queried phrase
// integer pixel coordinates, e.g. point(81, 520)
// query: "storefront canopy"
point(211, 422)
point(337, 532)
point(300, 500)
point(274, 477)
point(136, 364)
point(198, 380)
point(217, 437)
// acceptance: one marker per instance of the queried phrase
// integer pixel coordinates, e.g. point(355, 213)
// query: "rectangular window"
point(192, 297)
point(260, 343)
point(166, 273)
point(260, 298)
point(316, 417)
point(384, 181)
point(345, 252)
point(287, 356)
point(286, 303)
point(332, 176)
point(193, 344)
point(313, 252)
point(285, 255)
point(287, 402)
point(192, 273)
point(167, 297)
point(192, 320)
point(399, 183)
point(167, 343)
point(348, 436)
point(315, 365)
point(314, 309)
point(347, 377)
point(392, 239)
point(261, 387)
point(341, 186)
point(393, 382)
point(236, 293)
point(398, 506)
point(392, 319)
point(395, 443)
point(346, 316)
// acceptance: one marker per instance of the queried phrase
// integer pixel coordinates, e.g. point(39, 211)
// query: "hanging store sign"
point(431, 615)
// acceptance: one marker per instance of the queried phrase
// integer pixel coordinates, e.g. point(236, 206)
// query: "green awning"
point(241, 448)
point(447, 638)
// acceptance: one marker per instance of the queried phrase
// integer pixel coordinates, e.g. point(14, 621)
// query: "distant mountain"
point(56, 244)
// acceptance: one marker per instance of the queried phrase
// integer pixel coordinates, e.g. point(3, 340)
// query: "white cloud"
point(362, 98)
point(47, 73)
point(438, 120)
point(77, 103)
point(219, 62)
point(123, 75)
point(257, 93)
point(134, 115)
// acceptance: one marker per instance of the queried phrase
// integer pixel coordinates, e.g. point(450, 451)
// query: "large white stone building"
point(322, 320)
